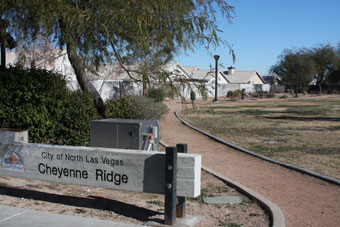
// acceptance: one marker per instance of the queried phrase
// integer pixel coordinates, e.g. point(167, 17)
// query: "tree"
point(326, 62)
point(97, 32)
point(332, 78)
point(6, 41)
point(286, 68)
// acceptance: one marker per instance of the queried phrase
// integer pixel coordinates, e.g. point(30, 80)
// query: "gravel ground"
point(304, 200)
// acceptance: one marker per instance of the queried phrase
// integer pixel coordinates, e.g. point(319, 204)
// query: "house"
point(230, 80)
point(110, 80)
point(243, 77)
point(249, 80)
point(271, 79)
point(227, 81)
point(200, 78)
point(113, 80)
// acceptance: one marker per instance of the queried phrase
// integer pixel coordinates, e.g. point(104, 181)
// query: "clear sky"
point(262, 29)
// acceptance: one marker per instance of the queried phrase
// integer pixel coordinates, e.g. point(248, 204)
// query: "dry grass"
point(304, 132)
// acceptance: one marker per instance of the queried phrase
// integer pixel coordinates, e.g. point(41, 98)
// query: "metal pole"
point(297, 79)
point(170, 185)
point(181, 201)
point(216, 76)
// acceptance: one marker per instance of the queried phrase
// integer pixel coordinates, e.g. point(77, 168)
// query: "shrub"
point(136, 107)
point(334, 91)
point(119, 108)
point(254, 95)
point(40, 102)
point(78, 111)
point(270, 95)
point(234, 94)
point(156, 94)
point(262, 95)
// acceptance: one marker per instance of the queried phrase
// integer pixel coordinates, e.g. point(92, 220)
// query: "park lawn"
point(303, 132)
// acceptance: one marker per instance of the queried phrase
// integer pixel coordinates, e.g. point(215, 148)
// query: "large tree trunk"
point(291, 84)
point(320, 88)
point(82, 79)
point(3, 55)
point(79, 70)
point(145, 90)
point(318, 82)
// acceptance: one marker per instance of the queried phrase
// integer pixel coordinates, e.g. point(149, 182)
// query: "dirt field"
point(304, 200)
point(304, 132)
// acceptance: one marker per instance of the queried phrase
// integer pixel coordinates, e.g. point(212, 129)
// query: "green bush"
point(136, 107)
point(74, 125)
point(156, 94)
point(119, 108)
point(230, 93)
point(234, 94)
point(270, 95)
point(334, 91)
point(262, 95)
point(40, 102)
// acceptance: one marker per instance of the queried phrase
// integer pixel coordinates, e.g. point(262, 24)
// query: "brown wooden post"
point(181, 201)
point(170, 185)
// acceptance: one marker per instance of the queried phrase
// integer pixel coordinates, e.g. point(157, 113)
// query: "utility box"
point(125, 134)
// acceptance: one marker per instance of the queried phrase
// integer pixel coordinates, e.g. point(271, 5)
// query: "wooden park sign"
point(140, 171)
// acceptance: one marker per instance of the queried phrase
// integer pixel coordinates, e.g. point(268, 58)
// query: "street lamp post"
point(216, 76)
point(297, 79)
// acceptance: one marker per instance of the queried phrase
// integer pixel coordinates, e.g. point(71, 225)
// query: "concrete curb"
point(276, 216)
point(287, 165)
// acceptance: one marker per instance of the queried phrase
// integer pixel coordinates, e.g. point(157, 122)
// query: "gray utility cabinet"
point(124, 134)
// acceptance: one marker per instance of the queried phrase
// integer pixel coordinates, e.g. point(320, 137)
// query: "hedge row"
point(40, 102)
point(136, 107)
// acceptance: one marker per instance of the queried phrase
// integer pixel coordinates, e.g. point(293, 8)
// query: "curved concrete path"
point(304, 200)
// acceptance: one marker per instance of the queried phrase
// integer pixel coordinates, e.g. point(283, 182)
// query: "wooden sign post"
point(170, 185)
point(174, 206)
point(181, 201)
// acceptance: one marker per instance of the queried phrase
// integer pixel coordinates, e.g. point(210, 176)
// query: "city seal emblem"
point(13, 161)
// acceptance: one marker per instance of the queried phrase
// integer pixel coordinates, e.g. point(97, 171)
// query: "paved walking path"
point(17, 217)
point(304, 200)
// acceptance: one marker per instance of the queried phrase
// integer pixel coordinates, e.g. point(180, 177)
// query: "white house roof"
point(197, 73)
point(242, 77)
point(191, 69)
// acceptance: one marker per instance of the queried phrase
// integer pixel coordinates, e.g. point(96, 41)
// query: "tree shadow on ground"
point(333, 119)
point(93, 202)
